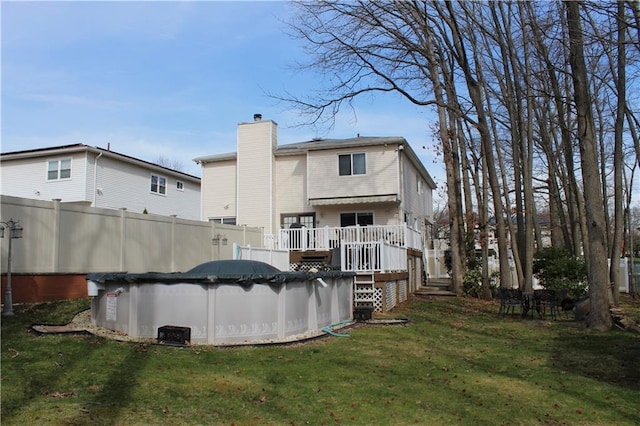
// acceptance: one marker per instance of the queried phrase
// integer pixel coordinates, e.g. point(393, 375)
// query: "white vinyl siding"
point(27, 178)
point(219, 189)
point(115, 175)
point(256, 174)
point(381, 176)
point(291, 185)
point(417, 197)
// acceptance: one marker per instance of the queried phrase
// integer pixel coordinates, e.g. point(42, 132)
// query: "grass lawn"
point(456, 362)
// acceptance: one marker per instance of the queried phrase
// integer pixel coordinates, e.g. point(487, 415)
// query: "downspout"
point(95, 179)
point(401, 183)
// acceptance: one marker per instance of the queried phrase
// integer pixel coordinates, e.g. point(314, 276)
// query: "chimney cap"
point(257, 117)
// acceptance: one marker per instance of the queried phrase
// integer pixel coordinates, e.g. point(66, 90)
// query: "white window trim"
point(351, 154)
point(164, 194)
point(58, 169)
point(179, 185)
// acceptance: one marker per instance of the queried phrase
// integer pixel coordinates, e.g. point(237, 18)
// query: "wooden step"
point(433, 291)
point(442, 283)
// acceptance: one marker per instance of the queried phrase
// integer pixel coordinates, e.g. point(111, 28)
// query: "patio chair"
point(546, 299)
point(510, 298)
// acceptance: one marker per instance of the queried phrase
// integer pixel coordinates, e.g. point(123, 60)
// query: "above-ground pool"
point(223, 302)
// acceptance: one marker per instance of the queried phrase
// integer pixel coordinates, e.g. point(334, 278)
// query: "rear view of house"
point(362, 204)
point(320, 183)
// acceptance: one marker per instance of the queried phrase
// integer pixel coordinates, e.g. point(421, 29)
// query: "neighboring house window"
point(303, 219)
point(352, 164)
point(179, 185)
point(223, 220)
point(353, 219)
point(59, 169)
point(158, 184)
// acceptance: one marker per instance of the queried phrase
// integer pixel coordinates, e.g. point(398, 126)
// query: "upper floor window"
point(158, 184)
point(59, 169)
point(352, 164)
point(179, 185)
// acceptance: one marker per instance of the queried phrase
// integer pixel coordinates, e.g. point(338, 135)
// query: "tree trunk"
point(599, 291)
point(618, 164)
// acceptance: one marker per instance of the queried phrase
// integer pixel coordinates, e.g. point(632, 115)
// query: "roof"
point(360, 141)
point(322, 144)
point(69, 149)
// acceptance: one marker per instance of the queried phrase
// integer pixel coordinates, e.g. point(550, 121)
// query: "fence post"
point(123, 238)
point(55, 252)
point(343, 256)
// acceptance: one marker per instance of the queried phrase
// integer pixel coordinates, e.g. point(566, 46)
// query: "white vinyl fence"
point(71, 238)
point(277, 258)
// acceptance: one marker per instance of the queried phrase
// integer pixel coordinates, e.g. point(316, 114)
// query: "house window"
point(352, 164)
point(59, 169)
point(223, 220)
point(179, 185)
point(303, 219)
point(158, 184)
point(353, 219)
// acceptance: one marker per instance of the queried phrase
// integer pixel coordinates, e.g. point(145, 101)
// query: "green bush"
point(472, 283)
point(558, 270)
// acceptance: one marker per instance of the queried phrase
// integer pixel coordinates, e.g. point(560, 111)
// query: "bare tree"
point(599, 289)
point(170, 163)
point(512, 84)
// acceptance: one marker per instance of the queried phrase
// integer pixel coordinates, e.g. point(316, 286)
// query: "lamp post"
point(15, 231)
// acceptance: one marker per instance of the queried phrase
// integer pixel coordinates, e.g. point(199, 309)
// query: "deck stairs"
point(364, 291)
point(436, 287)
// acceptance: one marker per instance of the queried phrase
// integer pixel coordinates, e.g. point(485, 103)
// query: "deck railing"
point(373, 256)
point(328, 238)
point(277, 258)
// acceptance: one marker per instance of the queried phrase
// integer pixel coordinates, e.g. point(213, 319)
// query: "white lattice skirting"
point(390, 290)
point(377, 306)
point(402, 291)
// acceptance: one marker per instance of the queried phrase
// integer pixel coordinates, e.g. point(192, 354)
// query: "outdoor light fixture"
point(217, 238)
point(15, 231)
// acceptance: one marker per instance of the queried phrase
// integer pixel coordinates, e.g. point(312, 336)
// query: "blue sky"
point(170, 79)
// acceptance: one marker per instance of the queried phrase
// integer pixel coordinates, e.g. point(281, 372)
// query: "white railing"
point(372, 257)
point(277, 258)
point(328, 238)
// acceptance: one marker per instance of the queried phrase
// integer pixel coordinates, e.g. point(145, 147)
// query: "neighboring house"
point(99, 177)
point(321, 183)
